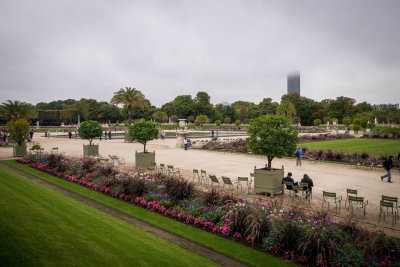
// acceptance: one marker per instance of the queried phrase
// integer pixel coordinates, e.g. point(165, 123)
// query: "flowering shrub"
point(290, 234)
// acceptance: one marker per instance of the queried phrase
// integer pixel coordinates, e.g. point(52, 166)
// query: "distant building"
point(293, 83)
point(386, 106)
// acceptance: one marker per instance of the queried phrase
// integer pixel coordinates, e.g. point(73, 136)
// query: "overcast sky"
point(234, 50)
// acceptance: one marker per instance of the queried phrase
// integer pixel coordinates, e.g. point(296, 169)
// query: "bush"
point(347, 121)
point(90, 130)
point(178, 189)
point(348, 256)
point(238, 122)
point(173, 118)
point(200, 120)
point(317, 122)
point(218, 122)
point(357, 122)
point(227, 120)
point(19, 130)
point(133, 186)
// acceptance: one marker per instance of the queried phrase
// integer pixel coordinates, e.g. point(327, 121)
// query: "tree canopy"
point(90, 130)
point(143, 131)
point(130, 97)
point(271, 136)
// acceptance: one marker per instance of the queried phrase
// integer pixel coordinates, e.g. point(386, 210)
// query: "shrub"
point(56, 161)
point(357, 122)
point(178, 189)
point(173, 118)
point(238, 122)
point(348, 256)
point(227, 120)
point(347, 121)
point(19, 130)
point(218, 122)
point(317, 122)
point(364, 123)
point(190, 119)
point(133, 186)
point(90, 130)
point(89, 164)
point(200, 120)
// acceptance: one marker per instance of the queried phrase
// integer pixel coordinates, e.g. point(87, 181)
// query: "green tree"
point(129, 97)
point(190, 119)
point(218, 122)
point(14, 110)
point(364, 107)
point(143, 131)
point(19, 130)
point(184, 106)
point(168, 108)
point(357, 122)
point(203, 105)
point(266, 106)
point(364, 123)
point(160, 116)
point(303, 105)
point(90, 130)
point(227, 120)
point(238, 122)
point(317, 122)
point(271, 136)
point(173, 118)
point(287, 109)
point(347, 121)
point(341, 107)
point(230, 112)
point(200, 120)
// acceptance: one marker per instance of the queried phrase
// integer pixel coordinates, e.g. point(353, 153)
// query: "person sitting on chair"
point(309, 181)
point(289, 178)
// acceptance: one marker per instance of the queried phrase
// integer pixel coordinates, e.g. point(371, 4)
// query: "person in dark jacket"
point(109, 135)
point(289, 178)
point(388, 165)
point(70, 134)
point(308, 180)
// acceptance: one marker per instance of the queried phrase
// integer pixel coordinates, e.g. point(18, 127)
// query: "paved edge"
point(196, 248)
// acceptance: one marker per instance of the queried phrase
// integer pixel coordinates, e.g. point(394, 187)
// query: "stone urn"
point(268, 181)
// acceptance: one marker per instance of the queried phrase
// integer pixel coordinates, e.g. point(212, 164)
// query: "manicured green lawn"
point(222, 245)
point(41, 227)
point(375, 147)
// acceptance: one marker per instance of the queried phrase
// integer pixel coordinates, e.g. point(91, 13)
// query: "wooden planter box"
point(90, 150)
point(268, 181)
point(19, 151)
point(145, 160)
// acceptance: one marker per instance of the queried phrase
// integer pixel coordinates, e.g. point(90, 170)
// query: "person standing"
point(185, 143)
point(30, 136)
point(299, 154)
point(212, 133)
point(163, 135)
point(388, 165)
point(109, 135)
point(70, 134)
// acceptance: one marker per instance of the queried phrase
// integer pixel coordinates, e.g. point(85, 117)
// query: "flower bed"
point(322, 137)
point(290, 234)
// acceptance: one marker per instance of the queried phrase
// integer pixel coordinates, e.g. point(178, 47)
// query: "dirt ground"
point(327, 177)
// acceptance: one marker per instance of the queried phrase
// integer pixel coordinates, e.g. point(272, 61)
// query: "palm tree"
point(14, 110)
point(129, 97)
point(287, 109)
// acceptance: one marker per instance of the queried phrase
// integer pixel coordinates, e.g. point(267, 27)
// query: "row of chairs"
point(212, 179)
point(168, 169)
point(387, 204)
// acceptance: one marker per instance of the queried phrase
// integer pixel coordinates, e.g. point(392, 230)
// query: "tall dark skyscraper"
point(293, 83)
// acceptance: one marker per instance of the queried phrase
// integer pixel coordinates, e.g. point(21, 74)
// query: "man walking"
point(298, 153)
point(388, 165)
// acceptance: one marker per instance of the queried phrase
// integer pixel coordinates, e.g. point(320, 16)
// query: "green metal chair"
point(331, 198)
point(393, 200)
point(196, 174)
point(350, 192)
point(243, 181)
point(387, 208)
point(357, 203)
point(227, 181)
point(291, 185)
point(213, 180)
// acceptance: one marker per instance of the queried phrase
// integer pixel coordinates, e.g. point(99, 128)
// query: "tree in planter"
point(143, 131)
point(90, 130)
point(271, 136)
point(200, 120)
point(19, 131)
point(238, 122)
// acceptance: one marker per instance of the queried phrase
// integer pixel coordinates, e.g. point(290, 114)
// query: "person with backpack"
point(299, 154)
point(388, 165)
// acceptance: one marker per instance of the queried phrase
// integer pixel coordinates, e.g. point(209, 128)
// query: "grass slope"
point(374, 147)
point(227, 247)
point(41, 227)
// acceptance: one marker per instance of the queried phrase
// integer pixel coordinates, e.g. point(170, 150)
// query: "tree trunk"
point(144, 148)
point(90, 142)
point(270, 162)
point(129, 115)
